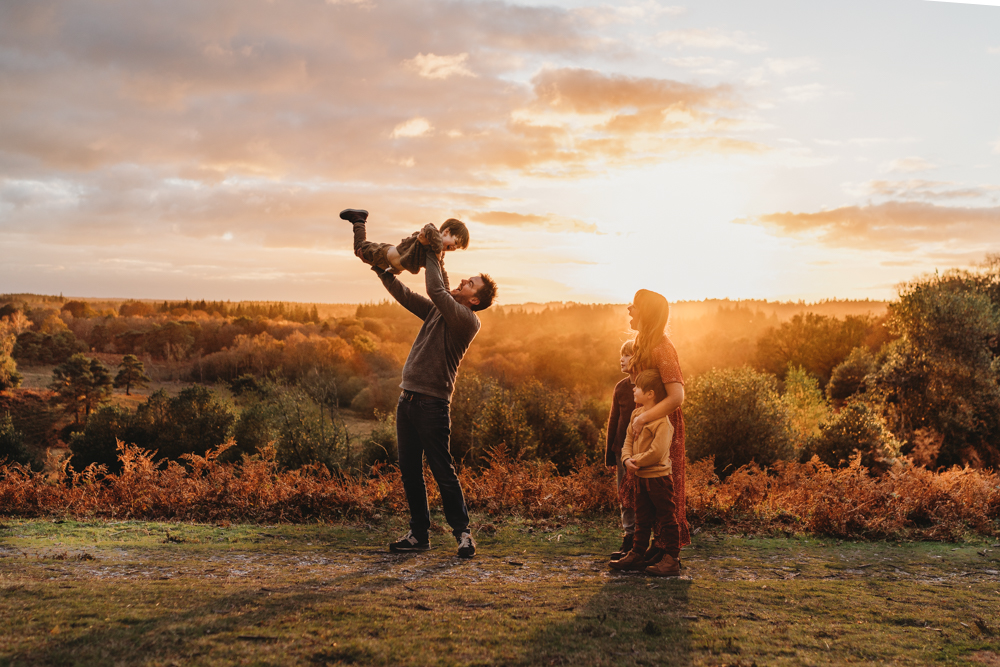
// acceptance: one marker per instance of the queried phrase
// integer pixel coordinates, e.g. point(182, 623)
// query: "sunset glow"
point(767, 149)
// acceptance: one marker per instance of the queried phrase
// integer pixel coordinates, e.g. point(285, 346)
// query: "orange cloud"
point(589, 91)
point(305, 90)
point(896, 226)
point(923, 189)
point(548, 222)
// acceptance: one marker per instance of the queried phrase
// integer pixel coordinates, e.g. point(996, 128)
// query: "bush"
point(380, 445)
point(472, 392)
point(534, 422)
point(737, 416)
point(98, 443)
point(380, 395)
point(302, 425)
point(9, 377)
point(856, 429)
point(196, 420)
point(192, 422)
point(806, 407)
point(305, 433)
point(12, 449)
point(848, 378)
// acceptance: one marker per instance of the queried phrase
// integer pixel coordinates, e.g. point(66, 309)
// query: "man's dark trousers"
point(423, 426)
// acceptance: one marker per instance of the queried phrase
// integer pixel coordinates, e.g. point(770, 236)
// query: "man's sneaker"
point(354, 215)
point(466, 546)
point(409, 543)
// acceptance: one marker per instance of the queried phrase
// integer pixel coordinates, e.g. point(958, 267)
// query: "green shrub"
point(536, 422)
point(306, 433)
point(303, 428)
point(12, 449)
point(380, 445)
point(9, 377)
point(98, 443)
point(737, 416)
point(805, 403)
point(848, 378)
point(857, 428)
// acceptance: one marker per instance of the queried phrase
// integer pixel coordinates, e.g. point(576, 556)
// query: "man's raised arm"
point(415, 303)
point(454, 313)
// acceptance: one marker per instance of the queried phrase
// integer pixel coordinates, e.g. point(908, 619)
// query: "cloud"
point(431, 66)
point(783, 66)
point(893, 226)
point(994, 50)
point(549, 222)
point(704, 64)
point(415, 127)
point(908, 164)
point(805, 93)
point(303, 91)
point(628, 12)
point(710, 38)
point(921, 189)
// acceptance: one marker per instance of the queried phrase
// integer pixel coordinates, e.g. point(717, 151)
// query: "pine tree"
point(131, 373)
point(81, 383)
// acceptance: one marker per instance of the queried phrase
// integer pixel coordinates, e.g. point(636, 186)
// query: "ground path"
point(78, 593)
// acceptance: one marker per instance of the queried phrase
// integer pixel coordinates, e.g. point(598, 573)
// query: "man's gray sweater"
point(447, 332)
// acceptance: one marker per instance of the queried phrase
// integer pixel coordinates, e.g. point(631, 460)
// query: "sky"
point(742, 149)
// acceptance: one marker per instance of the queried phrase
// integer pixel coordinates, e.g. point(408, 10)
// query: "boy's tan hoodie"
point(651, 450)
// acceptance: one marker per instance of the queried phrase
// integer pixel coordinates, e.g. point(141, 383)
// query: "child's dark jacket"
point(413, 253)
point(622, 405)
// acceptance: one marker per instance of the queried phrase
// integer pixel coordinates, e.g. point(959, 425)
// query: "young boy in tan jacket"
point(648, 456)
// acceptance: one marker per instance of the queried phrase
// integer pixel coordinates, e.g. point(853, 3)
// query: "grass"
point(538, 593)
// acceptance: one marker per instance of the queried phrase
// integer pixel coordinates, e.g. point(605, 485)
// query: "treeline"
point(271, 310)
point(918, 380)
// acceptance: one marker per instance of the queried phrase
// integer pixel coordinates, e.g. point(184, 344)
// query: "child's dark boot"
point(625, 548)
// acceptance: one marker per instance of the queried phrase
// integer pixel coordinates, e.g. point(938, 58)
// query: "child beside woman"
point(622, 407)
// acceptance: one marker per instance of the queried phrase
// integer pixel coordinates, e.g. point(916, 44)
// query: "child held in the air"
point(410, 254)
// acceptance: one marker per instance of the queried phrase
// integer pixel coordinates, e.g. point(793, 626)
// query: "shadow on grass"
point(265, 625)
point(631, 620)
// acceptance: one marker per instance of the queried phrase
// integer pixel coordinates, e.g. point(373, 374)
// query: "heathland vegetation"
point(898, 398)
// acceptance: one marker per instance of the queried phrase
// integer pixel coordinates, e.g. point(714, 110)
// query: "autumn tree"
point(942, 374)
point(131, 372)
point(814, 342)
point(81, 384)
point(9, 377)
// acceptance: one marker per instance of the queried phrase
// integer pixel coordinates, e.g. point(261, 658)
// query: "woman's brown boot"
point(667, 567)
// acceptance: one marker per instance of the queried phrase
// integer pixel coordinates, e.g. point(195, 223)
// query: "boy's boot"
point(625, 548)
point(354, 215)
point(367, 252)
point(667, 567)
point(631, 561)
